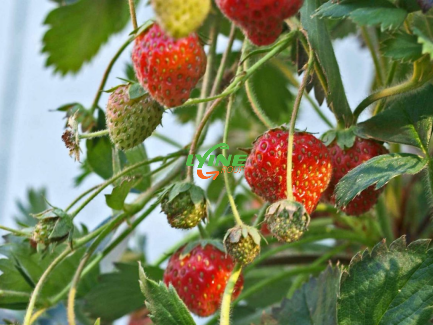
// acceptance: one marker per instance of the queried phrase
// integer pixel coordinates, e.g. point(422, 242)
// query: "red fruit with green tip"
point(265, 169)
point(343, 161)
point(200, 277)
point(169, 68)
point(261, 20)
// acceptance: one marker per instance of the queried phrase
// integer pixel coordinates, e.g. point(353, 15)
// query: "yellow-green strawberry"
point(287, 220)
point(242, 243)
point(179, 18)
point(131, 121)
point(184, 204)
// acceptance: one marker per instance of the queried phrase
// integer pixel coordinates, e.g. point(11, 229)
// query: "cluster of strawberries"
point(169, 60)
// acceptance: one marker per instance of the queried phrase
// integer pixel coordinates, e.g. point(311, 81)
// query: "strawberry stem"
point(235, 211)
point(14, 231)
point(133, 14)
point(388, 83)
point(377, 64)
point(93, 135)
point(295, 111)
point(107, 73)
point(227, 296)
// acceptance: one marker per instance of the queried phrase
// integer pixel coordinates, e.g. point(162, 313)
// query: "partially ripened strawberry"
point(265, 169)
point(344, 160)
point(179, 18)
point(261, 20)
point(199, 276)
point(184, 204)
point(131, 121)
point(169, 68)
point(242, 243)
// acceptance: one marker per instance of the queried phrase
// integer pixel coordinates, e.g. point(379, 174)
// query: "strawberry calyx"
point(345, 138)
point(202, 243)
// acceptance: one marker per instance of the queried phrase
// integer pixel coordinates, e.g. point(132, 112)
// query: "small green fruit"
point(287, 220)
point(242, 243)
point(184, 204)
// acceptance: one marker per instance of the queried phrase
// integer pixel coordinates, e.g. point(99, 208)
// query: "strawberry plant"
point(286, 226)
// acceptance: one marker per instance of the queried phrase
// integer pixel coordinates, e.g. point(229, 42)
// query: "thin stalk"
point(293, 123)
point(93, 135)
point(269, 281)
point(224, 61)
point(133, 14)
point(82, 195)
point(241, 78)
point(15, 231)
point(260, 215)
point(208, 75)
point(289, 75)
point(147, 196)
point(226, 175)
point(44, 276)
point(379, 69)
point(107, 73)
point(121, 174)
point(390, 78)
point(227, 296)
point(198, 132)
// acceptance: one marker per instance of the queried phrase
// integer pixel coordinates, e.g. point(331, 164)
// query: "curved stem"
point(227, 296)
point(293, 123)
point(82, 195)
point(226, 175)
point(389, 80)
point(289, 75)
point(44, 276)
point(208, 75)
point(107, 72)
point(388, 92)
point(379, 69)
point(15, 232)
point(133, 14)
point(241, 78)
point(224, 61)
point(198, 132)
point(123, 173)
point(92, 135)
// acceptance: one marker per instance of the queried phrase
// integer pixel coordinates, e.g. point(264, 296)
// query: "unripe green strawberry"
point(242, 243)
point(184, 204)
point(42, 231)
point(287, 220)
point(179, 18)
point(131, 121)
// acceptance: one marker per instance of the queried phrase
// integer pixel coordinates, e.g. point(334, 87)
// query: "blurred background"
point(32, 154)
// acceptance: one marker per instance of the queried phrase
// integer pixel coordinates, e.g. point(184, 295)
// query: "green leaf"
point(388, 285)
point(116, 199)
point(322, 46)
point(365, 12)
point(99, 156)
point(76, 32)
point(408, 120)
point(402, 47)
point(164, 304)
point(117, 294)
point(315, 303)
point(378, 170)
point(425, 41)
point(22, 268)
point(134, 156)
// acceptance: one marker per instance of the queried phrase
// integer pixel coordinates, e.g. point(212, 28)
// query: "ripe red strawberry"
point(167, 67)
point(344, 160)
point(265, 169)
point(200, 276)
point(261, 20)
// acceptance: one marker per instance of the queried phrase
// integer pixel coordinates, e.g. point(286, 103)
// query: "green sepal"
point(135, 91)
point(234, 234)
point(203, 243)
point(344, 138)
point(143, 28)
